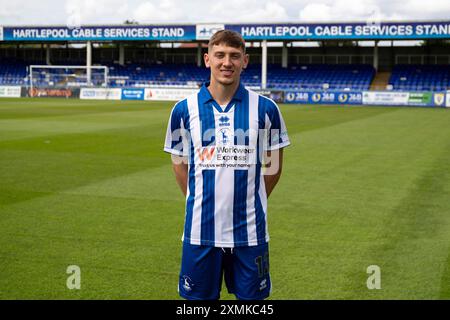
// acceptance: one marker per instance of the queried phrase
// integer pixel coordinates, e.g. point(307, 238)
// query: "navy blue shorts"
point(245, 269)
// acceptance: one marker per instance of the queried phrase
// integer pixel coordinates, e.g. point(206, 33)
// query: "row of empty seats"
point(295, 77)
point(420, 78)
point(12, 72)
point(312, 76)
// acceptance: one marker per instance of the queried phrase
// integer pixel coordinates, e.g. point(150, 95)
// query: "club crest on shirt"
point(187, 283)
point(225, 136)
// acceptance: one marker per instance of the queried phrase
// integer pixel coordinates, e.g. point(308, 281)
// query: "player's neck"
point(222, 94)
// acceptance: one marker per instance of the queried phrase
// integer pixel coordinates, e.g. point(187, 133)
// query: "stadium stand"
point(305, 76)
point(420, 77)
point(12, 72)
point(295, 77)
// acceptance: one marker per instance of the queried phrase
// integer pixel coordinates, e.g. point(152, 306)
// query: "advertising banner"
point(10, 91)
point(288, 31)
point(420, 99)
point(323, 97)
point(101, 33)
point(392, 98)
point(53, 93)
point(275, 95)
point(386, 98)
point(101, 94)
point(330, 31)
point(133, 94)
point(168, 94)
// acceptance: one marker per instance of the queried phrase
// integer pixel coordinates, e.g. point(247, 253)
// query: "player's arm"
point(273, 167)
point(180, 167)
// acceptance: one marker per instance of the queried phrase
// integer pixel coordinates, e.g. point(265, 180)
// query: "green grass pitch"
point(86, 183)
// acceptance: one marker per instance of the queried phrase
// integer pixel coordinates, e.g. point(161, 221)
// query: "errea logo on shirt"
point(224, 121)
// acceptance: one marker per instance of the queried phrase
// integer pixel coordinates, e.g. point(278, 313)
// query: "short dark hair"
point(228, 37)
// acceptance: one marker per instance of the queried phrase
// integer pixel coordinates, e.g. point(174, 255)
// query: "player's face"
point(226, 63)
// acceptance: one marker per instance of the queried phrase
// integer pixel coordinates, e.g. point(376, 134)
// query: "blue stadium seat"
point(420, 77)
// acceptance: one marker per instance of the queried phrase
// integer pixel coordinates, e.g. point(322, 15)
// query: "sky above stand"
point(82, 12)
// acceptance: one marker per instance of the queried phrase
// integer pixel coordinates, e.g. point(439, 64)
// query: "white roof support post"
point(88, 63)
point(284, 56)
point(48, 54)
point(121, 54)
point(264, 65)
point(199, 54)
point(375, 56)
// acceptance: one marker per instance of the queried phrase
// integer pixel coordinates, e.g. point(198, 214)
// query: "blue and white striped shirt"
point(226, 201)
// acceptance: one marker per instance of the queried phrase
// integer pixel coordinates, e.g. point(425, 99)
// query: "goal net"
point(63, 77)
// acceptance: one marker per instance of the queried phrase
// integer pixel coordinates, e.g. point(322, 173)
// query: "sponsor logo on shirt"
point(263, 285)
point(226, 156)
point(205, 154)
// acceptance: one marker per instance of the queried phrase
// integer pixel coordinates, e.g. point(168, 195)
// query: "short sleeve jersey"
point(226, 201)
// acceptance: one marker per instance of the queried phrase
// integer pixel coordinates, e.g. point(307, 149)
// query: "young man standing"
point(226, 144)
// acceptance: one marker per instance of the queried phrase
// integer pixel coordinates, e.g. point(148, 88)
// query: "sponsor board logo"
point(205, 31)
point(90, 93)
point(316, 97)
point(133, 94)
point(277, 96)
point(420, 98)
point(439, 99)
point(385, 98)
point(297, 97)
point(100, 94)
point(168, 94)
point(343, 97)
point(290, 97)
point(328, 97)
point(10, 91)
point(37, 92)
point(337, 97)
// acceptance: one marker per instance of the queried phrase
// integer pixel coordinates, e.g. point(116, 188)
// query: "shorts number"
point(263, 265)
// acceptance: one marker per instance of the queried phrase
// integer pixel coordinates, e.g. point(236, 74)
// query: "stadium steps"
point(380, 81)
